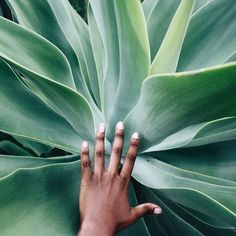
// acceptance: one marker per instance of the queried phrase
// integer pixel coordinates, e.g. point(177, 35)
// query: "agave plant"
point(164, 67)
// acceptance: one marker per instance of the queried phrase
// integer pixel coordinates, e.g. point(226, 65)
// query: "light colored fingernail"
point(102, 128)
point(85, 144)
point(157, 211)
point(120, 125)
point(135, 135)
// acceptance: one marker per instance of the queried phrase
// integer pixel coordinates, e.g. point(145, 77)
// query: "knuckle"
point(86, 164)
point(119, 133)
point(84, 151)
point(134, 142)
point(99, 136)
point(99, 153)
point(131, 157)
point(117, 150)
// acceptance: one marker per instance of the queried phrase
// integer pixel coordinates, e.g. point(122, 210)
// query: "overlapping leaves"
point(60, 77)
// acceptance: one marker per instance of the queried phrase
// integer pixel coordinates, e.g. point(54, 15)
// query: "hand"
point(104, 205)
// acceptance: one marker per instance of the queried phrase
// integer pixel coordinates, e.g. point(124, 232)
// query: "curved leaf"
point(166, 60)
point(12, 149)
point(214, 199)
point(168, 223)
point(29, 117)
point(211, 36)
point(9, 163)
point(217, 159)
point(159, 14)
point(199, 134)
point(48, 206)
point(123, 73)
point(67, 103)
point(40, 56)
point(76, 30)
point(169, 103)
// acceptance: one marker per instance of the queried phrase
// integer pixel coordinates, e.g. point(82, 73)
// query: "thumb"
point(143, 209)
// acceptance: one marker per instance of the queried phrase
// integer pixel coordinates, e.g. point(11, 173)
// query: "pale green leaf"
point(159, 14)
point(48, 206)
point(211, 36)
point(116, 24)
point(170, 103)
point(33, 53)
point(76, 30)
point(217, 159)
point(199, 134)
point(168, 223)
point(210, 196)
point(32, 119)
point(167, 57)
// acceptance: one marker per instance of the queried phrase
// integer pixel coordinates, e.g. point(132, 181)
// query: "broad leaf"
point(40, 56)
point(32, 119)
point(168, 223)
point(159, 14)
point(211, 196)
point(166, 60)
point(123, 73)
point(211, 36)
point(199, 134)
point(169, 103)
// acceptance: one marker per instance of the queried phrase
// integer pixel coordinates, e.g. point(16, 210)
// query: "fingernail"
point(85, 144)
point(157, 211)
point(120, 125)
point(102, 128)
point(135, 135)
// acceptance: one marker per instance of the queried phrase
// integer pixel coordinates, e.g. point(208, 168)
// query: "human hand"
point(104, 205)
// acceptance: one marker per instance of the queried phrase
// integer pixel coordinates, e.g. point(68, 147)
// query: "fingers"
point(116, 148)
point(130, 157)
point(85, 161)
point(143, 209)
point(99, 150)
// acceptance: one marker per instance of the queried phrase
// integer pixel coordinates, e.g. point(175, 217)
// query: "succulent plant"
point(164, 67)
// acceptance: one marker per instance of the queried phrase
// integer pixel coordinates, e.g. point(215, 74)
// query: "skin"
point(103, 200)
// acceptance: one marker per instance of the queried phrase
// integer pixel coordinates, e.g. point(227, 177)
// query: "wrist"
point(91, 227)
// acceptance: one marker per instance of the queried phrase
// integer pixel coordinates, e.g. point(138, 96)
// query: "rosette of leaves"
point(166, 68)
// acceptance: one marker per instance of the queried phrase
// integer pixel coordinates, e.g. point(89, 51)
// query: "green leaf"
point(126, 57)
point(104, 27)
point(168, 223)
point(40, 56)
point(199, 4)
point(170, 103)
point(231, 58)
point(13, 149)
point(37, 121)
point(199, 134)
point(62, 36)
point(159, 14)
point(48, 206)
point(37, 148)
point(72, 106)
point(41, 201)
point(217, 159)
point(166, 60)
point(139, 228)
point(211, 196)
point(10, 163)
point(98, 52)
point(76, 30)
point(212, 27)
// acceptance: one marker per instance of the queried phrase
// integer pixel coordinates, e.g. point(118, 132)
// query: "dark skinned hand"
point(103, 201)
